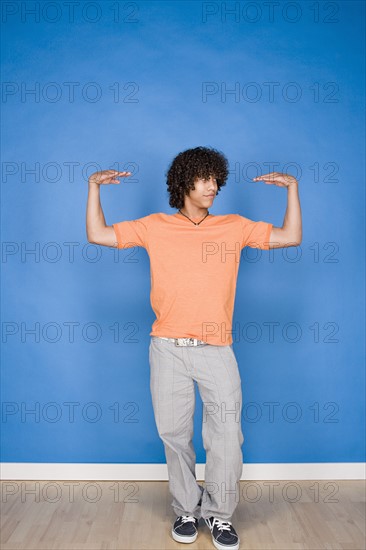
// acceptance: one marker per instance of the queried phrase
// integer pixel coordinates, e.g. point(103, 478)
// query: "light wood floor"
point(129, 515)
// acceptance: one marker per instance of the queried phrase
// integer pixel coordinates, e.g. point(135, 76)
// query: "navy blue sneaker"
point(185, 529)
point(224, 536)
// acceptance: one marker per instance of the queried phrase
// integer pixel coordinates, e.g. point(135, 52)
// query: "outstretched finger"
point(120, 175)
point(267, 176)
point(115, 172)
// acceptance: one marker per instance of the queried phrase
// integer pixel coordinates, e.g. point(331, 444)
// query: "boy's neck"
point(194, 212)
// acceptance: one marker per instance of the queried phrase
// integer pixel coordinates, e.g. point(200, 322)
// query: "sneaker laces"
point(221, 524)
point(188, 518)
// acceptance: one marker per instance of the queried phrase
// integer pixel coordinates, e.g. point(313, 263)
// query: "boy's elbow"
point(299, 240)
point(103, 237)
point(293, 239)
point(90, 238)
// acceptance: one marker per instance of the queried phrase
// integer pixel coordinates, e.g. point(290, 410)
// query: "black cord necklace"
point(195, 223)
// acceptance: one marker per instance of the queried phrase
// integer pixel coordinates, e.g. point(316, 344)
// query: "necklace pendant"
point(195, 223)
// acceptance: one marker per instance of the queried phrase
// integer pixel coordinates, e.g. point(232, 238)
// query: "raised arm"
point(97, 231)
point(290, 234)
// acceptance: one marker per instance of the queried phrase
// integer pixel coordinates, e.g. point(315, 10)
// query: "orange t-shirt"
point(194, 270)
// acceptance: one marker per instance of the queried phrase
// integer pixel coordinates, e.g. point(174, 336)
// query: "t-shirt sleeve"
point(132, 233)
point(255, 234)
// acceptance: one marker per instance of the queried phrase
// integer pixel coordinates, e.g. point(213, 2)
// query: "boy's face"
point(204, 192)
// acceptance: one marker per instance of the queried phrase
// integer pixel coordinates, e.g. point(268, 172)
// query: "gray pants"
point(173, 370)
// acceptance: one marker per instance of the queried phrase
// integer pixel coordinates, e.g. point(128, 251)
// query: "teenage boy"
point(194, 261)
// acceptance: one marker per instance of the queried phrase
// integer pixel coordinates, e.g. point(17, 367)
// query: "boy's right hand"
point(104, 177)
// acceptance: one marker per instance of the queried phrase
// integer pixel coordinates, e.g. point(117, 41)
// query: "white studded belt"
point(185, 341)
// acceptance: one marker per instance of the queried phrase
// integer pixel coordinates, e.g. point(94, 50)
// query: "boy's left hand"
point(276, 178)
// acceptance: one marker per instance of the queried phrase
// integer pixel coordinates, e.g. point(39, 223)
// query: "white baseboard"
point(159, 472)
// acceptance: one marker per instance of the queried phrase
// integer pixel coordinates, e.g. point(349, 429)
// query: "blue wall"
point(298, 77)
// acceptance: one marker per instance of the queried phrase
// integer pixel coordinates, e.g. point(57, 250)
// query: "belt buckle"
point(186, 341)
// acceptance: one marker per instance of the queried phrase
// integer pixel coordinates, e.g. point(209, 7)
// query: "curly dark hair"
point(200, 162)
